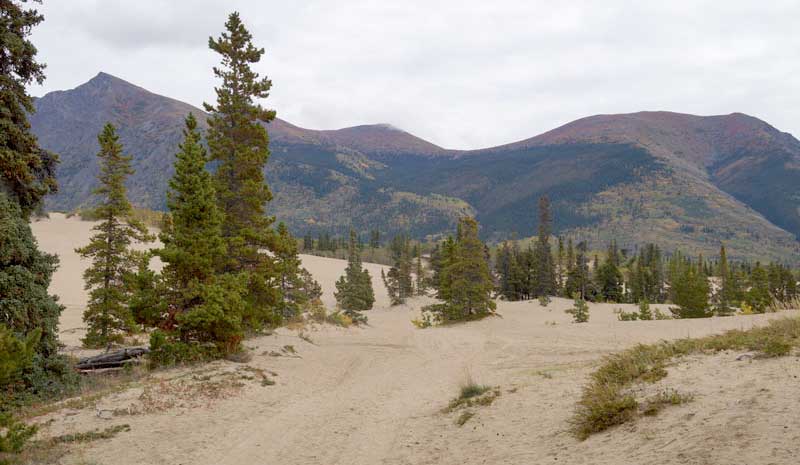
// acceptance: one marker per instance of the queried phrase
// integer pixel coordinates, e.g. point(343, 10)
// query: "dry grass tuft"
point(606, 400)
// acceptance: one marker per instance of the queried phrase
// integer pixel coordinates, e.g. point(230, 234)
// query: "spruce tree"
point(192, 244)
point(293, 280)
point(544, 276)
point(354, 292)
point(470, 280)
point(579, 310)
point(107, 315)
point(239, 146)
point(398, 281)
point(205, 307)
point(421, 281)
point(690, 290)
point(27, 174)
point(609, 279)
point(758, 296)
point(724, 295)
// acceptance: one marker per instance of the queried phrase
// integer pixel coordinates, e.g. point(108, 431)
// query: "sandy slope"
point(374, 395)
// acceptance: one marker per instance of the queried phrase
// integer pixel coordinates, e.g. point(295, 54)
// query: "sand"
point(375, 395)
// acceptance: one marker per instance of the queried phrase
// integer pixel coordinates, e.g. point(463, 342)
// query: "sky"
point(462, 74)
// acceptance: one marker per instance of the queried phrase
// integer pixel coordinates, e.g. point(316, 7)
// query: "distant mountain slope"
point(679, 180)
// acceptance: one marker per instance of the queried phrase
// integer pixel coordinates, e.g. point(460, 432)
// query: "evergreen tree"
point(560, 266)
point(16, 355)
point(192, 243)
point(375, 239)
point(690, 290)
point(579, 310)
point(578, 277)
point(758, 296)
point(27, 174)
point(470, 283)
point(398, 281)
point(421, 281)
point(354, 292)
point(544, 275)
point(609, 277)
point(239, 146)
point(724, 297)
point(107, 314)
point(298, 288)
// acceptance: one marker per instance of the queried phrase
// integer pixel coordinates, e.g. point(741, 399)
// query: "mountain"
point(678, 180)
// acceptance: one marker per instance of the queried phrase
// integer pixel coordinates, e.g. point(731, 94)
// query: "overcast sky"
point(461, 73)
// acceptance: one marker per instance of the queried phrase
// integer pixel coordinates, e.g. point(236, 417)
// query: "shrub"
point(544, 300)
point(606, 401)
point(644, 310)
point(626, 316)
point(580, 311)
point(13, 434)
point(165, 350)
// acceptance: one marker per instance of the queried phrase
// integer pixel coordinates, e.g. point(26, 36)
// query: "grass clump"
point(607, 401)
point(464, 417)
point(472, 394)
point(667, 397)
point(90, 436)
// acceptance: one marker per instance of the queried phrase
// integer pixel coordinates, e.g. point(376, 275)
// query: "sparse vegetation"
point(606, 401)
point(579, 311)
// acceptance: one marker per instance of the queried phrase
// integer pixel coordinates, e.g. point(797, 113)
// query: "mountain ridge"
point(697, 180)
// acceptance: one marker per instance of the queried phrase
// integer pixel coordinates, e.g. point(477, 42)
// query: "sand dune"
point(374, 395)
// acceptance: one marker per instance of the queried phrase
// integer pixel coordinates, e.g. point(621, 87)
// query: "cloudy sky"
point(460, 73)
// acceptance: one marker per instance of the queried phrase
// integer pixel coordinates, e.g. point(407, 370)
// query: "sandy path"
point(374, 395)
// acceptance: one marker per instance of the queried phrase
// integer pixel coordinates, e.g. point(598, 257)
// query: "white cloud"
point(462, 74)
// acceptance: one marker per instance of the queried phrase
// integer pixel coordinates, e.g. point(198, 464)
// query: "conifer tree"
point(192, 244)
point(420, 283)
point(107, 315)
point(470, 279)
point(398, 281)
point(690, 290)
point(239, 145)
point(544, 277)
point(354, 292)
point(609, 279)
point(295, 283)
point(560, 266)
point(758, 296)
point(579, 310)
point(724, 296)
point(578, 277)
point(27, 174)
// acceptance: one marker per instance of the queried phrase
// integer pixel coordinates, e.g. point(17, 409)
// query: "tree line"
point(696, 286)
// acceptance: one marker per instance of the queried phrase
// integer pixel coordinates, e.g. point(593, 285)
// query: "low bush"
point(606, 401)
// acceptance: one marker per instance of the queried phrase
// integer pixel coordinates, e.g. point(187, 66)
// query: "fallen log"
point(114, 359)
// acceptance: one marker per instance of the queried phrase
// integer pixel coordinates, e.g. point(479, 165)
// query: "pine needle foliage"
point(107, 315)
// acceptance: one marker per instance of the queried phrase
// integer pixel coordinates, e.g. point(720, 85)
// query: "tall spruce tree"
point(107, 314)
point(27, 174)
point(544, 275)
point(204, 307)
point(758, 296)
point(690, 288)
point(398, 280)
point(609, 277)
point(239, 146)
point(724, 297)
point(421, 280)
point(354, 292)
point(470, 280)
point(192, 244)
